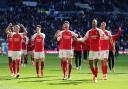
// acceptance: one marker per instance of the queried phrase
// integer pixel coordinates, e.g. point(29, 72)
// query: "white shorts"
point(60, 53)
point(16, 55)
point(66, 53)
point(39, 55)
point(24, 52)
point(9, 53)
point(104, 54)
point(94, 55)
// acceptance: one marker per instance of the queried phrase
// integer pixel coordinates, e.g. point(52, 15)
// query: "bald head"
point(94, 23)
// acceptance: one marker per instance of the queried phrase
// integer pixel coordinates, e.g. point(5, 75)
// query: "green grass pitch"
point(81, 79)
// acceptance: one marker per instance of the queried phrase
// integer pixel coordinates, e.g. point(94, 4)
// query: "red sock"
point(61, 64)
point(70, 69)
point(42, 65)
point(11, 65)
point(14, 66)
point(37, 67)
point(64, 67)
point(18, 65)
point(93, 70)
point(96, 71)
point(103, 69)
point(106, 69)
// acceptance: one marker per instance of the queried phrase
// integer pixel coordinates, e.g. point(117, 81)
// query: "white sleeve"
point(33, 37)
point(43, 35)
point(59, 35)
point(26, 40)
point(21, 34)
point(74, 34)
point(12, 33)
point(58, 38)
point(109, 33)
point(103, 35)
point(84, 38)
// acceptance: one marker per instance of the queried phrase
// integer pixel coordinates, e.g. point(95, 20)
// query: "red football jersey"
point(24, 43)
point(114, 39)
point(93, 36)
point(29, 45)
point(10, 44)
point(17, 41)
point(85, 45)
point(77, 45)
point(105, 42)
point(39, 42)
point(66, 38)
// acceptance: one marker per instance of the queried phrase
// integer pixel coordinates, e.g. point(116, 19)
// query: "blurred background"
point(51, 14)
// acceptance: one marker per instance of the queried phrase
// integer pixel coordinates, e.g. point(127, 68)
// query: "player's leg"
point(104, 60)
point(25, 58)
point(14, 63)
point(10, 62)
point(69, 68)
point(76, 58)
point(10, 65)
point(22, 58)
point(113, 62)
point(42, 63)
point(18, 61)
point(69, 56)
point(61, 59)
point(96, 69)
point(80, 54)
point(32, 57)
point(85, 54)
point(37, 67)
point(91, 63)
point(64, 67)
point(104, 68)
point(63, 56)
point(37, 56)
point(110, 60)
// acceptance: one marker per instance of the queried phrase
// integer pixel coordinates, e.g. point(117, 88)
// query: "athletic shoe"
point(37, 75)
point(33, 63)
point(95, 79)
point(105, 77)
point(18, 75)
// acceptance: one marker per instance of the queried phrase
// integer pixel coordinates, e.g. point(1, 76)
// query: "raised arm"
point(84, 38)
point(103, 35)
point(8, 29)
point(24, 29)
point(118, 34)
point(74, 34)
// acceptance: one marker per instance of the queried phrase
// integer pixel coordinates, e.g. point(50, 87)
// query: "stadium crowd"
point(51, 14)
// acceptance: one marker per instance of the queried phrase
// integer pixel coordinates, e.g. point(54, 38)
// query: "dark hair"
point(39, 26)
point(66, 22)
